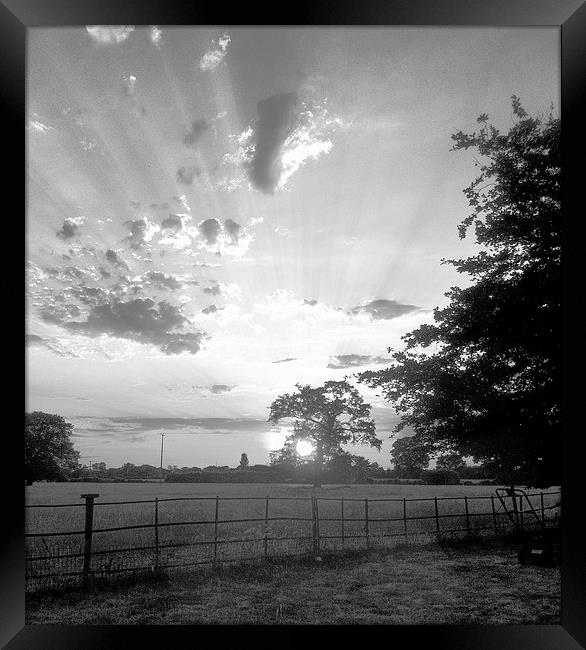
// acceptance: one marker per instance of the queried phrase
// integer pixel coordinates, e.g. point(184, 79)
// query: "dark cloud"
point(56, 315)
point(210, 229)
point(220, 388)
point(33, 339)
point(172, 223)
point(163, 281)
point(89, 295)
point(68, 230)
point(384, 309)
point(113, 257)
point(198, 128)
point(311, 303)
point(285, 360)
point(138, 229)
point(122, 426)
point(354, 360)
point(142, 321)
point(233, 230)
point(211, 309)
point(276, 120)
point(186, 175)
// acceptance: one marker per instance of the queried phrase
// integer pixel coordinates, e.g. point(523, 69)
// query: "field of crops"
point(200, 523)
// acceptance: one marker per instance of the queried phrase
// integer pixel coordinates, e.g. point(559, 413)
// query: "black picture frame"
point(570, 16)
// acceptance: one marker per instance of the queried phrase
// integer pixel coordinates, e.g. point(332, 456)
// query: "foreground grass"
point(455, 583)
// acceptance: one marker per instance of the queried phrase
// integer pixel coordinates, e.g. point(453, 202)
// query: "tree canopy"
point(328, 416)
point(410, 456)
point(484, 379)
point(243, 461)
point(48, 451)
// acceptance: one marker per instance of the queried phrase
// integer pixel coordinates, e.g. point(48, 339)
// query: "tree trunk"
point(319, 461)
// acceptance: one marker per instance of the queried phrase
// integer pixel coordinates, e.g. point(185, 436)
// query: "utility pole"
point(162, 438)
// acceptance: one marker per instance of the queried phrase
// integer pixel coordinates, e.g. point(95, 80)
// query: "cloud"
point(113, 257)
point(186, 176)
point(125, 427)
point(70, 227)
point(354, 360)
point(211, 309)
point(213, 57)
point(229, 238)
point(68, 230)
point(276, 116)
point(162, 281)
point(56, 314)
point(108, 34)
point(290, 130)
point(284, 360)
point(141, 321)
point(220, 388)
point(233, 230)
point(33, 340)
point(384, 309)
point(210, 229)
point(141, 231)
point(198, 128)
point(173, 223)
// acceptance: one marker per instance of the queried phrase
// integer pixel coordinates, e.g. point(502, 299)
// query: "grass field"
point(237, 537)
point(454, 583)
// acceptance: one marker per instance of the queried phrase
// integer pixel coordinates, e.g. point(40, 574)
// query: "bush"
point(440, 477)
point(250, 476)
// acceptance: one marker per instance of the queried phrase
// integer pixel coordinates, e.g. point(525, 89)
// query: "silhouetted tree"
point(48, 450)
point(243, 461)
point(450, 460)
point(410, 456)
point(484, 379)
point(328, 416)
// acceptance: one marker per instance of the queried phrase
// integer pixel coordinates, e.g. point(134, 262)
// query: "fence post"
point(156, 533)
point(366, 526)
point(437, 522)
point(89, 526)
point(405, 517)
point(521, 519)
point(266, 540)
point(493, 514)
point(542, 508)
point(342, 515)
point(315, 519)
point(216, 529)
point(467, 516)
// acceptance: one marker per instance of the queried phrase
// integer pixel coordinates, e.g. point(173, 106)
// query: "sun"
point(304, 448)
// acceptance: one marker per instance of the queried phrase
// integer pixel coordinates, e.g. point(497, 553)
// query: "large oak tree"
point(484, 379)
point(329, 417)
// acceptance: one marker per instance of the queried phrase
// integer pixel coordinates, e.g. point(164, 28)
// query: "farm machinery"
point(541, 545)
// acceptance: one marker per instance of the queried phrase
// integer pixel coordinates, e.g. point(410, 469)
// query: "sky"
point(216, 214)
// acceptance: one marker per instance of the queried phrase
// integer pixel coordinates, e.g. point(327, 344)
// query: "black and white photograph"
point(293, 325)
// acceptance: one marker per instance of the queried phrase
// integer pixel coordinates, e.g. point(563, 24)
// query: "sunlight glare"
point(304, 448)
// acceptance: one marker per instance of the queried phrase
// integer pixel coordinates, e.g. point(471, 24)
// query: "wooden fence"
point(321, 524)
